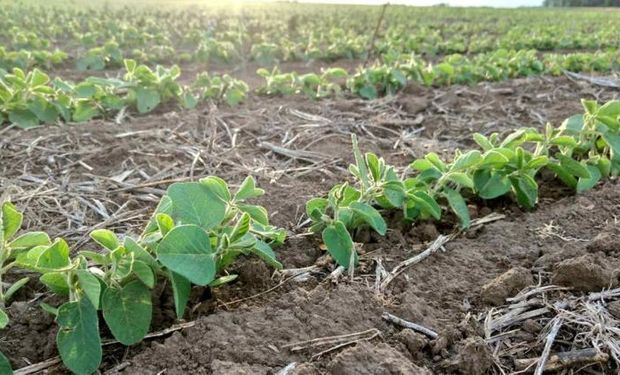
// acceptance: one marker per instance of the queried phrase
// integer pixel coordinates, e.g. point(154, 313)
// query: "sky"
point(462, 3)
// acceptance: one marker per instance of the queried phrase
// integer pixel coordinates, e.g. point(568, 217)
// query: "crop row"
point(200, 228)
point(97, 38)
point(195, 234)
point(29, 99)
point(581, 152)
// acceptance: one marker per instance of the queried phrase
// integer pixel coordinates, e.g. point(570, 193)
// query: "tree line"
point(581, 3)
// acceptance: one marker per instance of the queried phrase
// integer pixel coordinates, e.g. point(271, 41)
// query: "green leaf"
point(164, 222)
point(124, 264)
point(360, 163)
point(241, 228)
point(467, 160)
point(436, 160)
point(181, 288)
point(461, 179)
point(495, 159)
point(128, 311)
point(49, 309)
point(458, 205)
point(144, 273)
point(217, 186)
point(188, 100)
point(573, 125)
point(490, 185)
point(29, 240)
point(374, 166)
point(4, 319)
point(573, 167)
point(526, 190)
point(147, 99)
point(264, 251)
point(56, 282)
point(186, 250)
point(427, 203)
point(14, 288)
point(610, 109)
point(11, 220)
point(91, 286)
point(105, 238)
point(248, 189)
point(90, 62)
point(130, 65)
point(588, 183)
point(370, 216)
point(604, 166)
point(44, 110)
point(563, 174)
point(368, 92)
point(339, 244)
point(195, 203)
point(222, 280)
point(421, 165)
point(95, 257)
point(513, 139)
point(614, 143)
point(257, 213)
point(537, 162)
point(23, 118)
point(564, 140)
point(139, 252)
point(54, 257)
point(86, 90)
point(234, 96)
point(394, 193)
point(84, 111)
point(348, 194)
point(611, 123)
point(78, 338)
point(5, 365)
point(483, 142)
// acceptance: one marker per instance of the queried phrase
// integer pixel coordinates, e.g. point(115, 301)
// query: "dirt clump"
point(588, 273)
point(30, 335)
point(614, 308)
point(426, 232)
point(414, 342)
point(254, 272)
point(473, 357)
point(369, 359)
point(305, 369)
point(607, 241)
point(414, 104)
point(506, 285)
point(225, 367)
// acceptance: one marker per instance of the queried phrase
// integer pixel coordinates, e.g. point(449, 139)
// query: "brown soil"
point(70, 178)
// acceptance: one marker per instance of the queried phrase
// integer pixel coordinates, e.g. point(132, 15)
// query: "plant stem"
point(361, 164)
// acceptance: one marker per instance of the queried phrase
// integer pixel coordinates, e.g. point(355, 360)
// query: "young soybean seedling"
point(200, 228)
point(508, 165)
point(437, 180)
point(592, 138)
point(350, 207)
point(11, 247)
point(116, 280)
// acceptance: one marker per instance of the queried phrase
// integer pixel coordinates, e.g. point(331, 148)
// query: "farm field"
point(277, 189)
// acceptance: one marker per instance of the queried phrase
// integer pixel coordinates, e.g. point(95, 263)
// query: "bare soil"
point(71, 179)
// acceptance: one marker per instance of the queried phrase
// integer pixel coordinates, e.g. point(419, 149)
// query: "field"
point(308, 189)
